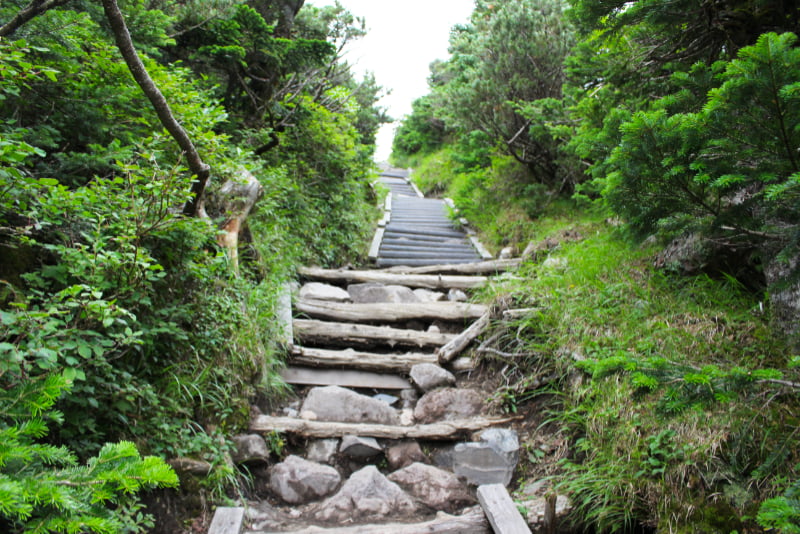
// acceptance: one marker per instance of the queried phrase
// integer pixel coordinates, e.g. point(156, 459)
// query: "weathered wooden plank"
point(284, 316)
point(344, 378)
point(483, 251)
point(227, 520)
point(472, 521)
point(375, 246)
point(349, 334)
point(443, 430)
point(390, 312)
point(501, 510)
point(369, 361)
point(427, 281)
point(453, 347)
point(480, 267)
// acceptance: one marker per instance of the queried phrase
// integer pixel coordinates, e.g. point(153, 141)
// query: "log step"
point(350, 335)
point(338, 377)
point(442, 431)
point(394, 312)
point(367, 361)
point(426, 281)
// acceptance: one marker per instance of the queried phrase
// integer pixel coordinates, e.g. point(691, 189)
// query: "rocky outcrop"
point(298, 481)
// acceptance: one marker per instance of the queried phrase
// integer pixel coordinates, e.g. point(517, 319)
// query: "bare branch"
point(34, 9)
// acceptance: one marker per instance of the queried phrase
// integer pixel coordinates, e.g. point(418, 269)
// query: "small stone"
point(190, 466)
point(434, 329)
point(297, 481)
point(334, 403)
point(404, 453)
point(428, 376)
point(388, 399)
point(322, 450)
point(410, 397)
point(426, 295)
point(456, 295)
point(373, 293)
point(407, 416)
point(506, 253)
point(249, 448)
point(308, 415)
point(290, 412)
point(447, 404)
point(358, 447)
point(436, 488)
point(320, 291)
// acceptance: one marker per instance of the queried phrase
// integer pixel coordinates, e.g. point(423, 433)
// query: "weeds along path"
point(386, 432)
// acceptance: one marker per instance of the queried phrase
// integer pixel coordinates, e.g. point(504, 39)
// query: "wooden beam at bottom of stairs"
point(444, 430)
point(368, 361)
point(472, 521)
point(344, 378)
point(501, 510)
point(227, 520)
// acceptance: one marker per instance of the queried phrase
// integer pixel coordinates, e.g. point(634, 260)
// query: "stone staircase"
point(387, 432)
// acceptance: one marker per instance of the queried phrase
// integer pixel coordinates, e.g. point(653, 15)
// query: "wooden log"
point(390, 312)
point(472, 521)
point(519, 313)
point(443, 430)
point(501, 510)
point(227, 520)
point(423, 281)
point(454, 347)
point(283, 313)
point(349, 334)
point(480, 267)
point(368, 361)
point(340, 377)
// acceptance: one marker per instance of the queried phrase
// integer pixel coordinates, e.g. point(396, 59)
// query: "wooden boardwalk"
point(418, 231)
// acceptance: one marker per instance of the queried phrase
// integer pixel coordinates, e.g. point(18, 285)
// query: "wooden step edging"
point(426, 281)
point(367, 361)
point(394, 312)
point(349, 334)
point(501, 510)
point(342, 377)
point(227, 520)
point(443, 430)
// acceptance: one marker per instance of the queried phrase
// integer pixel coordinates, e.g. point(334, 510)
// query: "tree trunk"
point(200, 170)
point(239, 196)
point(784, 296)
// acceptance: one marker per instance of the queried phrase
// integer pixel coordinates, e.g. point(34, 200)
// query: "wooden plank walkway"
point(417, 231)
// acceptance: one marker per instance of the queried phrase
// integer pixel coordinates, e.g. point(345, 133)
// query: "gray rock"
point(490, 461)
point(410, 397)
point(366, 496)
point(320, 291)
point(358, 447)
point(436, 488)
point(506, 253)
point(372, 292)
point(299, 481)
point(322, 450)
point(443, 457)
point(403, 454)
point(334, 403)
point(456, 295)
point(426, 295)
point(428, 376)
point(249, 448)
point(448, 404)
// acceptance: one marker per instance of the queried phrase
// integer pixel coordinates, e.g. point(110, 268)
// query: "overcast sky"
point(404, 38)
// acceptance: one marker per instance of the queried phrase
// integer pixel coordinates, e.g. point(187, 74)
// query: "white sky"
point(403, 38)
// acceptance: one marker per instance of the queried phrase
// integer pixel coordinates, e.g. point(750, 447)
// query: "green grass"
point(667, 388)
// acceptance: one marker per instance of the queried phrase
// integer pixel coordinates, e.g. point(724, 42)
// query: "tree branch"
point(35, 8)
point(162, 109)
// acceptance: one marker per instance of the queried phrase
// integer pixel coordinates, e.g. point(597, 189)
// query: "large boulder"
point(358, 447)
point(448, 404)
point(298, 481)
point(320, 291)
point(371, 292)
point(366, 496)
point(428, 376)
point(436, 488)
point(334, 403)
point(490, 461)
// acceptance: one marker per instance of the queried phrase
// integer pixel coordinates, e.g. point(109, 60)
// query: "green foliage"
point(43, 488)
point(781, 514)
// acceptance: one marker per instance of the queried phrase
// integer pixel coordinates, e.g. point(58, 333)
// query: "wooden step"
point(443, 430)
point(356, 335)
point(345, 378)
point(427, 281)
point(390, 312)
point(367, 361)
point(471, 521)
point(480, 267)
point(501, 510)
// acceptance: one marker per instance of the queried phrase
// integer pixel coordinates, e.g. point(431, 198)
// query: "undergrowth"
point(678, 402)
